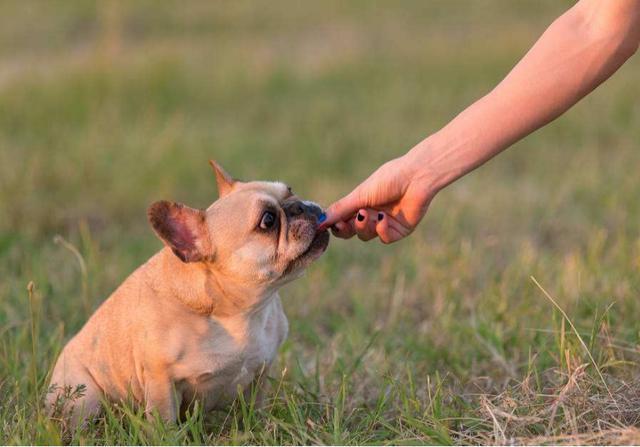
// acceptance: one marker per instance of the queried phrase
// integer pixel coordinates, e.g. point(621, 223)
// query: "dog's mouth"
point(315, 249)
point(317, 246)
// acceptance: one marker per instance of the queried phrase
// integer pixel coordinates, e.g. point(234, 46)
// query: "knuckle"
point(342, 233)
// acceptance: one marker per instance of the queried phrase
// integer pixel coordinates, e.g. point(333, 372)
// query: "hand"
point(576, 53)
point(389, 204)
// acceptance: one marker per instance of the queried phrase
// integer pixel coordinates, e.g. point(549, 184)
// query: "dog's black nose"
point(298, 208)
point(313, 209)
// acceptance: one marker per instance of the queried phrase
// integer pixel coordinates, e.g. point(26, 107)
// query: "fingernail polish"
point(380, 216)
point(360, 217)
point(322, 217)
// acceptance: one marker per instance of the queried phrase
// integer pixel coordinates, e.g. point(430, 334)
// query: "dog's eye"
point(268, 220)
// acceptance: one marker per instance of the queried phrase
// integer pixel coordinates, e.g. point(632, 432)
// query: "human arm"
point(579, 51)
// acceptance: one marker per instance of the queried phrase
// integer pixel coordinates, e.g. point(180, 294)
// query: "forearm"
point(576, 53)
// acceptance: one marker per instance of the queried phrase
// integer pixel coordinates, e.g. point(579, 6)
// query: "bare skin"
point(578, 52)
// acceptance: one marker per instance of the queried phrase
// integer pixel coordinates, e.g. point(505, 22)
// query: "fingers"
point(389, 230)
point(369, 224)
point(342, 210)
point(344, 230)
point(365, 224)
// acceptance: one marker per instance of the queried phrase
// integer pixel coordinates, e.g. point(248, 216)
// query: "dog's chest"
point(231, 355)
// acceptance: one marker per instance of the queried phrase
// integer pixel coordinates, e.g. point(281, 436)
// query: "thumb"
point(343, 209)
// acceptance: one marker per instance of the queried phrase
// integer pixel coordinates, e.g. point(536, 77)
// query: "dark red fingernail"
point(380, 216)
point(360, 217)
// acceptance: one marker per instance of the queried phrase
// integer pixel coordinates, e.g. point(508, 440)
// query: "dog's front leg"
point(161, 396)
point(258, 388)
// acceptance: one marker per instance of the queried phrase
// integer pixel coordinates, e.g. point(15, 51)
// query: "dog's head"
point(259, 234)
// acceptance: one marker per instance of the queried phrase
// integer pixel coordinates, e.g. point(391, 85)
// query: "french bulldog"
point(202, 318)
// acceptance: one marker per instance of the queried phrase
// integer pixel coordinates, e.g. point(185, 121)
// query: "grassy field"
point(442, 338)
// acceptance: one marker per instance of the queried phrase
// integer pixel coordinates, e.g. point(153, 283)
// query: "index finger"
point(342, 210)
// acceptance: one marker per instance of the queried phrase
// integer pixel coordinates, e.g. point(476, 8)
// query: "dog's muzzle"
point(302, 208)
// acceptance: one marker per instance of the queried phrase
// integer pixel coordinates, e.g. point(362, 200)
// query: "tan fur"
point(202, 318)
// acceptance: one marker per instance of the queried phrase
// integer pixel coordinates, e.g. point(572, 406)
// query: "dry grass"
point(574, 409)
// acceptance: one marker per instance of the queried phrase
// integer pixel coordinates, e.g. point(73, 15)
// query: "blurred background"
point(108, 106)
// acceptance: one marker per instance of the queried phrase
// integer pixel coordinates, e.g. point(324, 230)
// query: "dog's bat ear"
point(183, 229)
point(223, 179)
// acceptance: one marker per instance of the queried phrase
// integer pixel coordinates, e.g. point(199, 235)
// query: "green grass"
point(441, 338)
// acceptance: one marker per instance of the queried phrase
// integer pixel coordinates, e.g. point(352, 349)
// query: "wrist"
point(428, 167)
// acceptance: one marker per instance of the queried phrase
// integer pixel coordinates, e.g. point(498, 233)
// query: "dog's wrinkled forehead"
point(259, 191)
point(278, 190)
